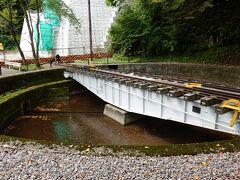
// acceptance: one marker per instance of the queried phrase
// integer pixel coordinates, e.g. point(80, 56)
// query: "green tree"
point(12, 13)
point(25, 5)
point(62, 10)
point(160, 27)
point(9, 23)
point(57, 7)
point(114, 3)
point(129, 32)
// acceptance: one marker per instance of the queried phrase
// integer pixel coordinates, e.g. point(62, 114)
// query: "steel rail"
point(218, 93)
point(206, 91)
point(189, 80)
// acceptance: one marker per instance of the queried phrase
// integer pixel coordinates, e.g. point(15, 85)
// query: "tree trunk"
point(13, 32)
point(38, 31)
point(14, 36)
point(30, 31)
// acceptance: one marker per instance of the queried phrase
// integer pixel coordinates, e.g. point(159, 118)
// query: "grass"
point(124, 60)
point(9, 95)
point(28, 67)
point(227, 55)
point(101, 61)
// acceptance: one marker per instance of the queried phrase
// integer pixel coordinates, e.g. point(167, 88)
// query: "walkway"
point(9, 72)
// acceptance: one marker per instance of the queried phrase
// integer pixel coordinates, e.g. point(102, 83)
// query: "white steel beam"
point(151, 103)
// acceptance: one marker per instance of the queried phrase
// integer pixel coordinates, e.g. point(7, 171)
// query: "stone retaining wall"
point(216, 73)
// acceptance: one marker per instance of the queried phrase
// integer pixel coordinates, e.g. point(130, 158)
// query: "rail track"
point(215, 92)
point(211, 90)
point(150, 94)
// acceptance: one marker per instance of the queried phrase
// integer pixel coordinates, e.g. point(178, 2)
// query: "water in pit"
point(80, 119)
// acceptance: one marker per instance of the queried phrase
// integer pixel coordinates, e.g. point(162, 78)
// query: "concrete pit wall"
point(15, 82)
point(43, 86)
point(214, 73)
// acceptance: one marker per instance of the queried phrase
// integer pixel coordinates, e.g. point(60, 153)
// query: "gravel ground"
point(34, 161)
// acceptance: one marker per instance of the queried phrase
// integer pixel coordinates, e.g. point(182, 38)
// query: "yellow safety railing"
point(234, 105)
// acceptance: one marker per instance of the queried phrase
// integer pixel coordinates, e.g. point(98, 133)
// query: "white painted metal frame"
point(151, 103)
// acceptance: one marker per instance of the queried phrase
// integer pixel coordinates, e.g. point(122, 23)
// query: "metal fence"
point(15, 55)
point(65, 59)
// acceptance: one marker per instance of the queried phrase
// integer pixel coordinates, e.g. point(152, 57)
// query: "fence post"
point(3, 58)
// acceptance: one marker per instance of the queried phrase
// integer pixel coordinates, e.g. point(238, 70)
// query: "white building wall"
point(60, 39)
point(101, 15)
point(67, 40)
point(25, 39)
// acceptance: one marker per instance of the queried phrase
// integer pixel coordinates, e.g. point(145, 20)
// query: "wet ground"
point(80, 119)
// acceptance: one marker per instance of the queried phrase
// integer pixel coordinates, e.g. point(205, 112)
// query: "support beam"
point(119, 115)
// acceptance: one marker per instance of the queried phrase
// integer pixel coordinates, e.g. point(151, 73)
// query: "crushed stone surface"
point(35, 161)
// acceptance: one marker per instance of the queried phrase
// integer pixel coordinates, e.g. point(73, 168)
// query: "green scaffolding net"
point(47, 25)
point(46, 36)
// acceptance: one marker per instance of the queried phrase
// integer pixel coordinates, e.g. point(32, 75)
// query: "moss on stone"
point(11, 103)
point(15, 82)
point(158, 150)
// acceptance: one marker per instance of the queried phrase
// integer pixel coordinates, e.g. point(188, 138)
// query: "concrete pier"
point(119, 115)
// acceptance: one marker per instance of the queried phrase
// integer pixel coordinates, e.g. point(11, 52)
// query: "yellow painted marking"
point(192, 85)
point(234, 105)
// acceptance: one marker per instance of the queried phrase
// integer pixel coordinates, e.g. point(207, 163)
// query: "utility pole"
point(90, 32)
point(2, 50)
